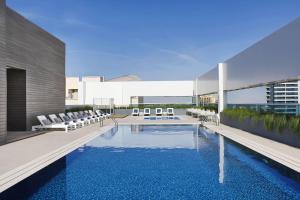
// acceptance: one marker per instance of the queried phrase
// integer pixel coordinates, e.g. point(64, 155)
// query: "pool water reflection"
point(166, 162)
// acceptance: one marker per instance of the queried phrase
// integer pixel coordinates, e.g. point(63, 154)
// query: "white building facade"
point(287, 92)
point(284, 96)
point(125, 93)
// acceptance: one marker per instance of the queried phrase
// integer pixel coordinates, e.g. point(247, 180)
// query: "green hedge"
point(271, 121)
point(79, 108)
point(211, 107)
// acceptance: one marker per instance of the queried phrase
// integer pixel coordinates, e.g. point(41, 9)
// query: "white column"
point(196, 92)
point(80, 93)
point(84, 92)
point(222, 94)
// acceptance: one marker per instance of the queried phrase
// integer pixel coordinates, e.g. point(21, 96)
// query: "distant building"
point(125, 91)
point(93, 78)
point(207, 99)
point(73, 84)
point(129, 77)
point(284, 96)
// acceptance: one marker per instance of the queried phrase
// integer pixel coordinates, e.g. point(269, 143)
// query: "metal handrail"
point(101, 121)
point(114, 120)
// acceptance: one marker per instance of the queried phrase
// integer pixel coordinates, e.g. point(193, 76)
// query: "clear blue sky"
point(155, 39)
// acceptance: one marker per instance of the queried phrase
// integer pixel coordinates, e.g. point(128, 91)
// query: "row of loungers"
point(70, 120)
point(158, 112)
point(203, 115)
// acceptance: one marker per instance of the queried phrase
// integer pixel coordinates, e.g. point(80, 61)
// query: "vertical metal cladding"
point(24, 45)
point(2, 73)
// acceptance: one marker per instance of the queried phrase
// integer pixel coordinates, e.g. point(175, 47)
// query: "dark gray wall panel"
point(24, 45)
point(2, 74)
point(43, 57)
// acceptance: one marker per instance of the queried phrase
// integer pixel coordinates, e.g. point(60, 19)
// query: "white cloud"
point(182, 56)
point(78, 23)
point(72, 22)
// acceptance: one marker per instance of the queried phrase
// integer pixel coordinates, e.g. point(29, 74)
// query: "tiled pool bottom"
point(161, 118)
point(160, 162)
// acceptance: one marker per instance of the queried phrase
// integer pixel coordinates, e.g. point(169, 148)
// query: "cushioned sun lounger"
point(66, 118)
point(135, 112)
point(57, 120)
point(170, 111)
point(158, 111)
point(45, 123)
point(147, 111)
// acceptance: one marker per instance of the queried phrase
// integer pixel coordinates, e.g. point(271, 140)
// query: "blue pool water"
point(161, 162)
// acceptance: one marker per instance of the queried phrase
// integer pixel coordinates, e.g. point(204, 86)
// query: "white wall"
point(247, 96)
point(122, 92)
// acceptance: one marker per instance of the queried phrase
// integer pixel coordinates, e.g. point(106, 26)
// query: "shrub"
point(280, 123)
point(294, 124)
point(79, 108)
point(241, 114)
point(271, 121)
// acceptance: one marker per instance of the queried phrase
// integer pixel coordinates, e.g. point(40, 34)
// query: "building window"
point(72, 94)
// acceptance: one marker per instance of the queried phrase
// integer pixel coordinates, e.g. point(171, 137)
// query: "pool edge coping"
point(16, 175)
point(272, 153)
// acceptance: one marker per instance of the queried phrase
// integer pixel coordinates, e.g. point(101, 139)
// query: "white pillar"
point(222, 94)
point(84, 92)
point(196, 92)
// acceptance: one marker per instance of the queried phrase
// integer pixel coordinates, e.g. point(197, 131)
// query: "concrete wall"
point(122, 92)
point(28, 47)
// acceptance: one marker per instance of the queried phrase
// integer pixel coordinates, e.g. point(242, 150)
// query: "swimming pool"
point(162, 118)
point(160, 162)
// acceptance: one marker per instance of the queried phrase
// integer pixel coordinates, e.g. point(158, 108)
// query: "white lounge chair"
point(85, 115)
point(101, 113)
point(93, 115)
point(147, 111)
point(57, 120)
point(170, 111)
point(158, 111)
point(80, 116)
point(66, 118)
point(135, 112)
point(74, 117)
point(100, 117)
point(47, 124)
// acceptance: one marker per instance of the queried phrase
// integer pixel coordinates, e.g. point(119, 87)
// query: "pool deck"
point(21, 159)
point(284, 154)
